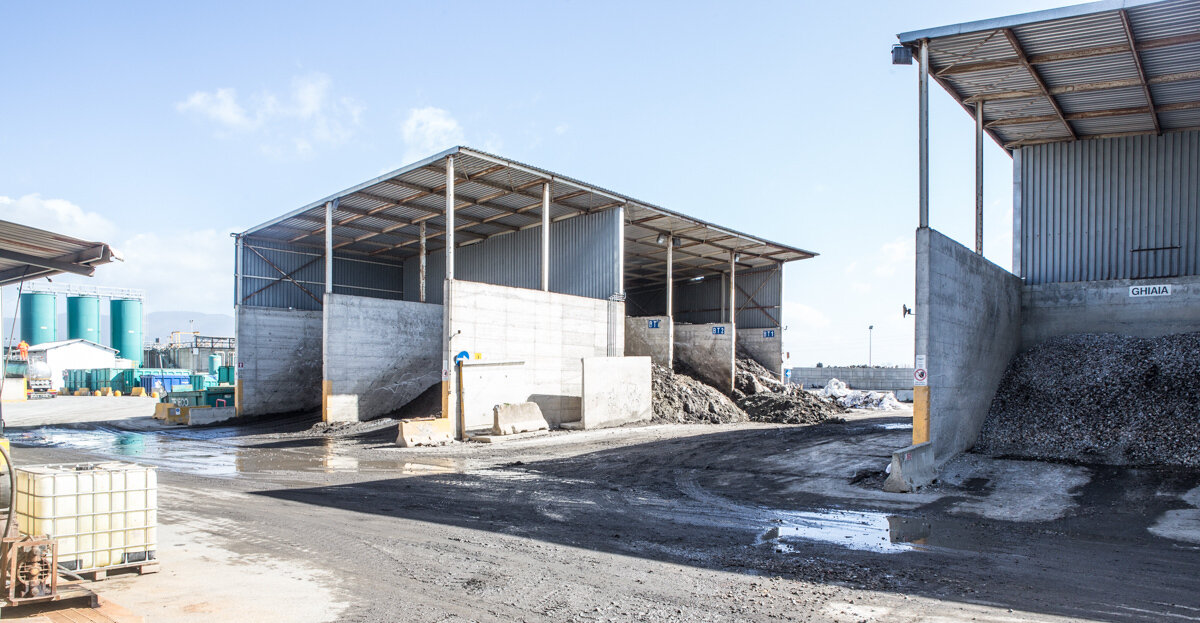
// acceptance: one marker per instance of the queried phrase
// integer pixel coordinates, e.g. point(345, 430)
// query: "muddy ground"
point(654, 523)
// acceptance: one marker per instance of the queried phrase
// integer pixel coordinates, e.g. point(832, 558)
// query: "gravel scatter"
point(1100, 398)
point(681, 399)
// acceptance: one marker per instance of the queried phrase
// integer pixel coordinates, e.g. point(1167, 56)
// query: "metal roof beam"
point(1085, 87)
point(518, 189)
point(1016, 45)
point(70, 263)
point(1026, 142)
point(1099, 114)
point(1068, 55)
point(1137, 61)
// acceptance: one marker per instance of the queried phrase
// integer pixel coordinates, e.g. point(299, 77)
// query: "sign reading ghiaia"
point(1154, 290)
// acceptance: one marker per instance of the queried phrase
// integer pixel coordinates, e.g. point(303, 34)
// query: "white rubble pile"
point(840, 393)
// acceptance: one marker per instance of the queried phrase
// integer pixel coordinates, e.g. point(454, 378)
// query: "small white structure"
point(72, 355)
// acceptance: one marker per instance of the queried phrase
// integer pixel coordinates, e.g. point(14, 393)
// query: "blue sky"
point(162, 127)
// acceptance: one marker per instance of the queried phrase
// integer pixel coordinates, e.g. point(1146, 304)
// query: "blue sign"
point(718, 330)
point(768, 332)
point(462, 357)
point(652, 323)
point(787, 374)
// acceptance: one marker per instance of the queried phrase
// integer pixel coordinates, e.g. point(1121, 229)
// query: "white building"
point(73, 355)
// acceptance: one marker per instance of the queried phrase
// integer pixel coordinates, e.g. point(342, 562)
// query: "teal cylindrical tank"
point(214, 363)
point(39, 315)
point(83, 318)
point(125, 316)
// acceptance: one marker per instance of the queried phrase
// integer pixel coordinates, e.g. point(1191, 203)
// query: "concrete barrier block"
point(197, 416)
point(912, 467)
point(424, 432)
point(163, 410)
point(521, 417)
point(616, 391)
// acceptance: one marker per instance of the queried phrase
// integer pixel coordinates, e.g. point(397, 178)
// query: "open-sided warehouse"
point(362, 301)
point(1099, 107)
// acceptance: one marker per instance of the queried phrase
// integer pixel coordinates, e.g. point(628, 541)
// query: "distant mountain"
point(154, 325)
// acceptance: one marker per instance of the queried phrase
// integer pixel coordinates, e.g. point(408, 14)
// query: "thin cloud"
point(308, 117)
point(429, 130)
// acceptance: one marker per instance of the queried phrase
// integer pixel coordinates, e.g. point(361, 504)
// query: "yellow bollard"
point(154, 395)
point(117, 393)
point(96, 393)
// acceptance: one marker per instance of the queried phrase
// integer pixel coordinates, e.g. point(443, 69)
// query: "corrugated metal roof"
point(1080, 59)
point(30, 253)
point(494, 196)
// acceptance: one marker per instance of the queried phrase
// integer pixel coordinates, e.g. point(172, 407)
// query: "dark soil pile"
point(1100, 398)
point(793, 408)
point(681, 399)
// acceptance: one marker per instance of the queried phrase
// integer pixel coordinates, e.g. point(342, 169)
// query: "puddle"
point(858, 530)
point(206, 453)
point(895, 426)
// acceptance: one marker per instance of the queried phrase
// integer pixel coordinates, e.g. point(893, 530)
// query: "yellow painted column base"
point(326, 392)
point(920, 414)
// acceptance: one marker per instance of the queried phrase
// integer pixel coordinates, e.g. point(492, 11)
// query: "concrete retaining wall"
point(968, 327)
point(643, 339)
point(379, 354)
point(874, 379)
point(616, 391)
point(279, 359)
point(709, 354)
point(548, 333)
point(1053, 309)
point(764, 346)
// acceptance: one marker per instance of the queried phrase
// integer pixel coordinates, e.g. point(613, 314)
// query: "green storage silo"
point(39, 316)
point(126, 321)
point(83, 318)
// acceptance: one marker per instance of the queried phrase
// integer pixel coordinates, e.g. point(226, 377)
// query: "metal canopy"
point(1097, 70)
point(381, 218)
point(30, 253)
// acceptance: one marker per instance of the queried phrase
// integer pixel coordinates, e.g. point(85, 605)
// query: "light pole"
point(870, 335)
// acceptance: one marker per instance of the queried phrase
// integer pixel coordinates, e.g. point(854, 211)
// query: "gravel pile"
point(1104, 398)
point(794, 408)
point(681, 399)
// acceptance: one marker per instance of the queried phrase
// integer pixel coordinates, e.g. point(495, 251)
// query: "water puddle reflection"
point(208, 455)
point(858, 530)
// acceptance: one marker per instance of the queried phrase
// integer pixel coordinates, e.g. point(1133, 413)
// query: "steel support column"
point(450, 218)
point(330, 206)
point(979, 177)
point(422, 262)
point(546, 237)
point(923, 133)
point(671, 302)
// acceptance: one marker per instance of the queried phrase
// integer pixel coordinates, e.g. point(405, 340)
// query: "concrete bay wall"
point(706, 349)
point(616, 391)
point(764, 346)
point(968, 328)
point(643, 339)
point(540, 338)
point(379, 354)
point(1053, 309)
point(896, 380)
point(279, 359)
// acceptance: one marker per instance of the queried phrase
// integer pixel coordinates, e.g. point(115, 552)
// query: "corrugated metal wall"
point(701, 302)
point(584, 259)
point(1121, 208)
point(305, 265)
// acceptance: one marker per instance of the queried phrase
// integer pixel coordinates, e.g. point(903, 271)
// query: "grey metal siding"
point(701, 302)
point(262, 286)
point(1119, 208)
point(583, 259)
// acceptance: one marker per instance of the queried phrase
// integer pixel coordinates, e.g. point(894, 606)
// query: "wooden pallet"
point(96, 575)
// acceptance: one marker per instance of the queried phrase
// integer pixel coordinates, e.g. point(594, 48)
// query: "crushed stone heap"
point(1100, 398)
point(681, 399)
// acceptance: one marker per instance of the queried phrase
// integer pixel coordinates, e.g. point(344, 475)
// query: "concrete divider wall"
point(641, 340)
point(379, 354)
point(1053, 309)
point(764, 346)
point(616, 391)
point(709, 354)
point(968, 327)
point(548, 333)
point(874, 379)
point(279, 360)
